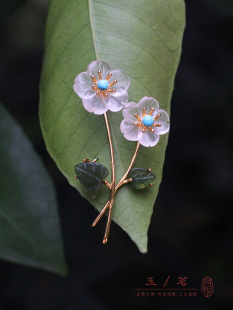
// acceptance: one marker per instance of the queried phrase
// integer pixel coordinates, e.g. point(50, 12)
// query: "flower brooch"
point(144, 122)
point(101, 89)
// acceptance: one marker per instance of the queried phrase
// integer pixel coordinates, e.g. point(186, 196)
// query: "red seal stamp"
point(207, 286)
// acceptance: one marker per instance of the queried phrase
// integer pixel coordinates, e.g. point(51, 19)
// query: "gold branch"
point(113, 180)
point(114, 188)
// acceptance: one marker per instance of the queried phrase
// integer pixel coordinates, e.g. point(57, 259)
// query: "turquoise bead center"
point(103, 85)
point(148, 120)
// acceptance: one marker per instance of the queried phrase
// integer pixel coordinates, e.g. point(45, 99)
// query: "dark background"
point(191, 231)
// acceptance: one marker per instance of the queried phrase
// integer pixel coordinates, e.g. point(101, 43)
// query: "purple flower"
point(101, 88)
point(144, 122)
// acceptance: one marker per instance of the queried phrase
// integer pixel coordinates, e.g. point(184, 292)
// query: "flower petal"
point(94, 104)
point(164, 121)
point(148, 103)
point(149, 139)
point(122, 97)
point(123, 81)
point(113, 103)
point(95, 66)
point(131, 132)
point(129, 111)
point(82, 84)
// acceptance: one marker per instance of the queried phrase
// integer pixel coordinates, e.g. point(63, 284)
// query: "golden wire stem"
point(111, 90)
point(127, 181)
point(100, 75)
point(107, 184)
point(101, 214)
point(137, 117)
point(151, 111)
point(105, 240)
point(113, 180)
point(156, 117)
point(93, 79)
point(144, 111)
point(120, 183)
point(114, 82)
point(157, 125)
point(151, 130)
point(108, 77)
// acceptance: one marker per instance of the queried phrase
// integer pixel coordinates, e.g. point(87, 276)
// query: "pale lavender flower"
point(144, 122)
point(101, 88)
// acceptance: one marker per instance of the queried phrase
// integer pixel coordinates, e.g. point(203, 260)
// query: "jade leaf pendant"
point(141, 178)
point(91, 175)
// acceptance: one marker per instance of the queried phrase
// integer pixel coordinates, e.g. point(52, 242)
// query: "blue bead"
point(148, 120)
point(103, 85)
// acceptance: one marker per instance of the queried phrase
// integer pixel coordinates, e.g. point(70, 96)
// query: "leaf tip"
point(63, 271)
point(143, 251)
point(143, 248)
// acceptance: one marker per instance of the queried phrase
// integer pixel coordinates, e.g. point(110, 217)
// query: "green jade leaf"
point(141, 37)
point(91, 175)
point(30, 232)
point(141, 178)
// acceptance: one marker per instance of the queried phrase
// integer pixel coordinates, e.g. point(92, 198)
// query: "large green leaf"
point(142, 37)
point(29, 223)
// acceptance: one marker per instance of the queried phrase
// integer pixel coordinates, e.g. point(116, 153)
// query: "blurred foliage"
point(10, 6)
point(29, 223)
point(24, 29)
point(225, 6)
point(7, 8)
point(21, 201)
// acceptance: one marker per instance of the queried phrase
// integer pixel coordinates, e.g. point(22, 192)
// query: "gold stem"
point(121, 182)
point(113, 180)
point(105, 240)
point(130, 166)
point(101, 213)
point(107, 184)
